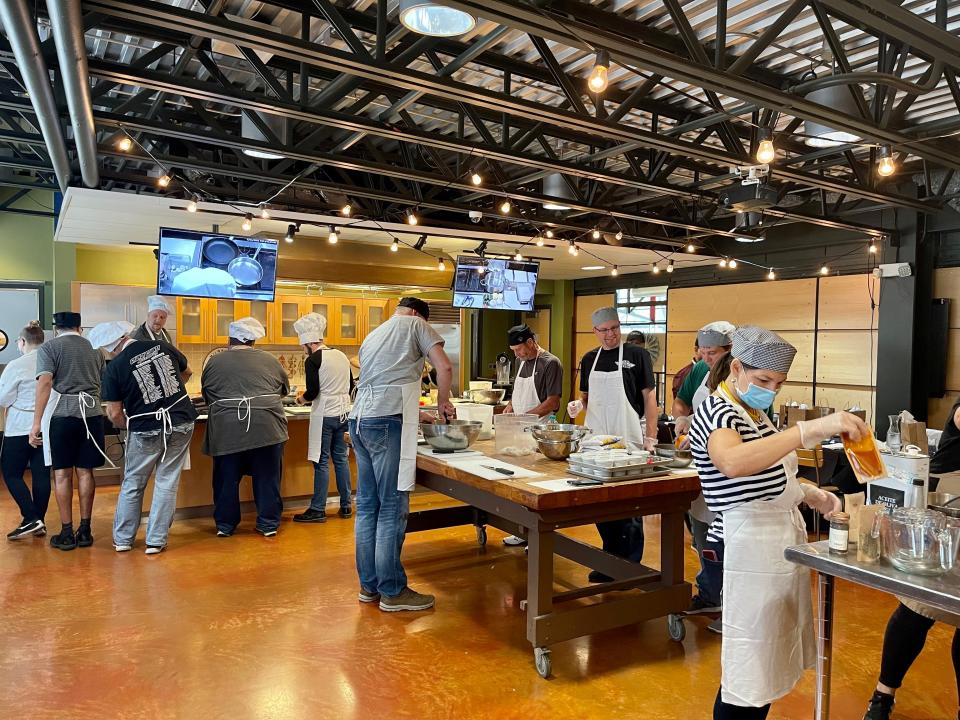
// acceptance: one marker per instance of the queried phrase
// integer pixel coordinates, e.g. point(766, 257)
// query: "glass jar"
point(839, 540)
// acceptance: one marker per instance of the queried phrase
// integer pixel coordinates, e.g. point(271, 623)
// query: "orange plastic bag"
point(864, 457)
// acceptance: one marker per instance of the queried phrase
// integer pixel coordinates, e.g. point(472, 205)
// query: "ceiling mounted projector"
point(748, 198)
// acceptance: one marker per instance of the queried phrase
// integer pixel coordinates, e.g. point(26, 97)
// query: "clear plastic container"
point(480, 413)
point(511, 438)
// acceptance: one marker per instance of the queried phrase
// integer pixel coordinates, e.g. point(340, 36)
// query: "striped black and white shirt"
point(720, 492)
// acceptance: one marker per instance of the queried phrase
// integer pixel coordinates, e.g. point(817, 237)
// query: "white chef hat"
point(158, 302)
point(311, 328)
point(716, 334)
point(247, 329)
point(106, 335)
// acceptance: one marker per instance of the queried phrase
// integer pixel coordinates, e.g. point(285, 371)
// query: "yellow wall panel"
point(679, 350)
point(953, 359)
point(946, 284)
point(585, 306)
point(843, 357)
point(938, 409)
point(794, 392)
point(845, 302)
point(778, 305)
point(845, 397)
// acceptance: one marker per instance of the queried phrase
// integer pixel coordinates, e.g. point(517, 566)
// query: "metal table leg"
point(825, 599)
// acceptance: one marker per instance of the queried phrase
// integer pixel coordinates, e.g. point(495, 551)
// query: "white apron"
point(698, 508)
point(608, 410)
point(768, 638)
point(86, 402)
point(45, 426)
point(318, 410)
point(410, 396)
point(525, 396)
point(701, 393)
point(163, 336)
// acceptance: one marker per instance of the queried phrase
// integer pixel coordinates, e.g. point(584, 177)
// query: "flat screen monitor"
point(199, 264)
point(493, 284)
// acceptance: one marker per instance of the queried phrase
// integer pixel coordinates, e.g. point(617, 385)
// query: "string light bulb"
point(691, 248)
point(886, 166)
point(656, 269)
point(411, 217)
point(395, 245)
point(334, 237)
point(766, 152)
point(549, 233)
point(264, 213)
point(614, 271)
point(481, 269)
point(505, 207)
point(247, 222)
point(476, 178)
point(518, 257)
point(125, 144)
point(670, 267)
point(539, 241)
point(441, 265)
point(163, 181)
point(619, 235)
point(192, 205)
point(346, 210)
point(572, 248)
point(291, 233)
point(733, 264)
point(598, 80)
point(873, 248)
point(595, 234)
point(824, 270)
point(771, 275)
point(723, 262)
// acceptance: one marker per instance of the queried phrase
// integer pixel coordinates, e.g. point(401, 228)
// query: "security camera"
point(475, 216)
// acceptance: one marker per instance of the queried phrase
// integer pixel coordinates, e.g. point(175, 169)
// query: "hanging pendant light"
point(840, 99)
point(555, 186)
point(432, 18)
point(597, 82)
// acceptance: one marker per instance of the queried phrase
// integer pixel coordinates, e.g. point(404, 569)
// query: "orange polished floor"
point(247, 627)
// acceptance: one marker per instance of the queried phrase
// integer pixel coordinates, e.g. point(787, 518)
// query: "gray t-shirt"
point(393, 354)
point(240, 373)
point(76, 367)
point(549, 374)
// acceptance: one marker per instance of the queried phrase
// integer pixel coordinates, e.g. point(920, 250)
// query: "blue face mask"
point(758, 398)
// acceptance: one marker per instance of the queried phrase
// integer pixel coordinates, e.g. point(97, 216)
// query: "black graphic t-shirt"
point(145, 377)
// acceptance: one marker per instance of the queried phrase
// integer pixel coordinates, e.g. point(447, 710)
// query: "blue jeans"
point(333, 445)
point(382, 510)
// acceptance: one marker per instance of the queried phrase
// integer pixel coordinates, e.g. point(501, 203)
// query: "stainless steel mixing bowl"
point(678, 458)
point(487, 397)
point(451, 436)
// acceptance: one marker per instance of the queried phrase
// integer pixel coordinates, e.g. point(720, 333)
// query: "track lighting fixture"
point(247, 222)
point(291, 233)
point(164, 180)
point(518, 257)
point(441, 265)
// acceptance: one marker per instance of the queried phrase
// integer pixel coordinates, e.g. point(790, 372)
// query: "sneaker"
point(122, 547)
point(700, 606)
point(345, 513)
point(267, 533)
point(716, 626)
point(367, 596)
point(154, 549)
point(406, 600)
point(84, 536)
point(880, 707)
point(514, 541)
point(25, 528)
point(40, 531)
point(596, 576)
point(311, 516)
point(64, 540)
point(224, 533)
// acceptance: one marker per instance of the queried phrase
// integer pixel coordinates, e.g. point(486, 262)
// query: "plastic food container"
point(482, 414)
point(511, 436)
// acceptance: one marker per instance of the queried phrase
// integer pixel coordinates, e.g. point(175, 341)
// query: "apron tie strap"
point(245, 406)
point(88, 402)
point(163, 416)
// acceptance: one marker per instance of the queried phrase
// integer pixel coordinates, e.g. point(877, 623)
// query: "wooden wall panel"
point(843, 357)
point(794, 392)
point(938, 409)
point(778, 305)
point(845, 397)
point(679, 350)
point(585, 305)
point(953, 359)
point(583, 343)
point(844, 302)
point(946, 284)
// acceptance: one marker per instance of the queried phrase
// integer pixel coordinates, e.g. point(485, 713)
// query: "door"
point(191, 320)
point(20, 306)
point(374, 314)
point(349, 313)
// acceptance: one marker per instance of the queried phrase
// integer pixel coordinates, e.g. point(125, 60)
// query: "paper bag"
point(914, 433)
point(795, 415)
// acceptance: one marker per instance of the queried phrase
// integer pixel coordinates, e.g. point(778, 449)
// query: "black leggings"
point(906, 633)
point(18, 454)
point(725, 711)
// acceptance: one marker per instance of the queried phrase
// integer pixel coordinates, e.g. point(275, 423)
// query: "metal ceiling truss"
point(303, 81)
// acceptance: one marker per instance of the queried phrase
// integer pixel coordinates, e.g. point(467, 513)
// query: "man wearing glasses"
point(618, 391)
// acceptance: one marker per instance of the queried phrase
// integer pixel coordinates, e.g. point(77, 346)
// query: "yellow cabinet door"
point(323, 306)
point(260, 310)
point(349, 317)
point(375, 312)
point(193, 320)
point(224, 312)
point(286, 311)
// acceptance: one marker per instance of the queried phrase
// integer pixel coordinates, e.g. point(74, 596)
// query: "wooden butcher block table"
point(521, 507)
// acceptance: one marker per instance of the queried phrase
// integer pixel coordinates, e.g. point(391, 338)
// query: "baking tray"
point(647, 468)
point(658, 472)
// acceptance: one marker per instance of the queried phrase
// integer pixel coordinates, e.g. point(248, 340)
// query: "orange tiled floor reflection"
point(271, 629)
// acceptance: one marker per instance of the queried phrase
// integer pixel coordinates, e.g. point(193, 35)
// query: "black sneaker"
point(596, 576)
point(64, 540)
point(25, 528)
point(880, 707)
point(700, 606)
point(84, 536)
point(311, 516)
point(345, 513)
point(224, 533)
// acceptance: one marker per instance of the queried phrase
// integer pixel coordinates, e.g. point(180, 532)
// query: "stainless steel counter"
point(942, 592)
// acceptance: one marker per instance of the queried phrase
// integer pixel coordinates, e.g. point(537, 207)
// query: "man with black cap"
point(539, 381)
point(68, 422)
point(383, 428)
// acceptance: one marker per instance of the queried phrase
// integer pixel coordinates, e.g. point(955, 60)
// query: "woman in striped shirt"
point(748, 472)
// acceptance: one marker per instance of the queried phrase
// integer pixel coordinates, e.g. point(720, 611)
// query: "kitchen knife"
point(502, 471)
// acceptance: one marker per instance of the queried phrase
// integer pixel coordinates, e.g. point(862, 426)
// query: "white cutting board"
point(431, 452)
point(475, 466)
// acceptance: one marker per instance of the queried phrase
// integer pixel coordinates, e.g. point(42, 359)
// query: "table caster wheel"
point(481, 536)
point(676, 628)
point(541, 656)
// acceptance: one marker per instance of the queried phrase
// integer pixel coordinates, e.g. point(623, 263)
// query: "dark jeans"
point(724, 711)
point(902, 643)
point(710, 578)
point(623, 538)
point(17, 455)
point(333, 446)
point(265, 466)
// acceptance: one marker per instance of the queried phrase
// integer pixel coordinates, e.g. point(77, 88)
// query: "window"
point(645, 309)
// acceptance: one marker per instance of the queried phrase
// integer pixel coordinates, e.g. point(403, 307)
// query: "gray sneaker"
point(368, 596)
point(406, 600)
point(716, 626)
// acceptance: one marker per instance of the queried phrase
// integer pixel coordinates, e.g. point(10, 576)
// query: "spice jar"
point(839, 539)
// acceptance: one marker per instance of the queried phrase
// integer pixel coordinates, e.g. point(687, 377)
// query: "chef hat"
point(66, 319)
point(106, 335)
point(311, 328)
point(247, 329)
point(519, 334)
point(762, 349)
point(604, 314)
point(158, 302)
point(716, 334)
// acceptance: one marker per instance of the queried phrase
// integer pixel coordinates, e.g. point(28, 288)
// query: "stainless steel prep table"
point(520, 507)
point(940, 592)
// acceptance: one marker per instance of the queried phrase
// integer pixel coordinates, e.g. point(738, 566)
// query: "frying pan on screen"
point(246, 270)
point(220, 251)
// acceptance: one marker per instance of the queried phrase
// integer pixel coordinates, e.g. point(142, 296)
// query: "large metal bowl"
point(452, 436)
point(558, 449)
point(487, 397)
point(558, 432)
point(678, 458)
point(948, 504)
